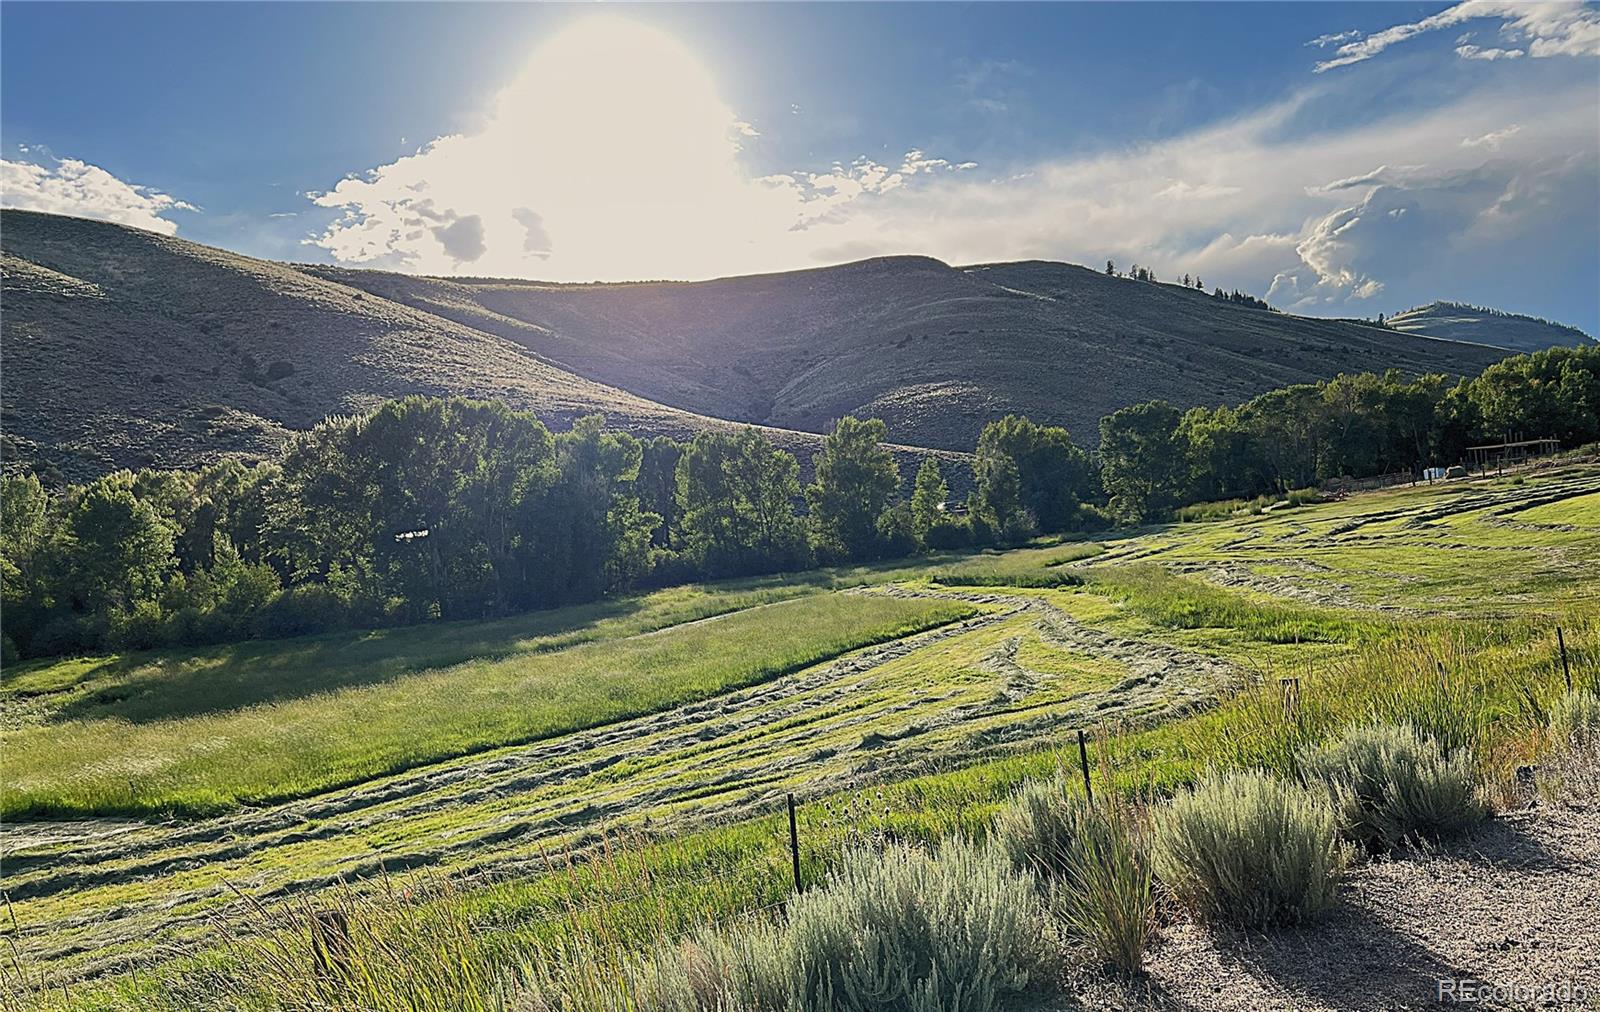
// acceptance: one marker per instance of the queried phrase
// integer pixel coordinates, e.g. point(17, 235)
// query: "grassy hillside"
point(1453, 321)
point(936, 351)
point(124, 348)
point(646, 732)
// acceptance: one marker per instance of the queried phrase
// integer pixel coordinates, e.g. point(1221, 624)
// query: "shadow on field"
point(1352, 961)
point(193, 681)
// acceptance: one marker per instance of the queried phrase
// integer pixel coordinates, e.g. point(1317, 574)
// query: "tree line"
point(451, 508)
point(433, 508)
point(1154, 457)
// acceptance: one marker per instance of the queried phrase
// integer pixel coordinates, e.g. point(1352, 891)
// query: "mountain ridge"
point(935, 350)
point(129, 348)
point(1460, 321)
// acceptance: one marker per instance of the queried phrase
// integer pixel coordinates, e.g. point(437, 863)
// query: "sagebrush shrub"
point(1250, 850)
point(1388, 783)
point(902, 929)
point(1093, 862)
point(897, 930)
point(1039, 830)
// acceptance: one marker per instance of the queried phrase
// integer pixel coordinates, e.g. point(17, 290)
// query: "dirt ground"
point(1508, 918)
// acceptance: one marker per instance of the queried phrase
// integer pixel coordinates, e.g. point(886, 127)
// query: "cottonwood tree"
point(1053, 474)
point(737, 494)
point(856, 476)
point(1142, 465)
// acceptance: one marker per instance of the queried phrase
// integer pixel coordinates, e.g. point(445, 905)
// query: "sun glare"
point(610, 155)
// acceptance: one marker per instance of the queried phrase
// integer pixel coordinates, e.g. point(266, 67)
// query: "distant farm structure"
point(1509, 453)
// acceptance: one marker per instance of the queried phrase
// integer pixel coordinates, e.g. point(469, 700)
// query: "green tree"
point(1053, 474)
point(1143, 466)
point(658, 487)
point(855, 478)
point(928, 495)
point(737, 493)
point(117, 549)
point(589, 534)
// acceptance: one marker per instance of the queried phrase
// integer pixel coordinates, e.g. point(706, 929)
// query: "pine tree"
point(1111, 269)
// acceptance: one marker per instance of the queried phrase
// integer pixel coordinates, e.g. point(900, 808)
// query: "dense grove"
point(1155, 457)
point(449, 509)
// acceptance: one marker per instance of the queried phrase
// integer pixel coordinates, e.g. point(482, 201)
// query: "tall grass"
point(1222, 509)
point(1092, 859)
point(1250, 850)
point(1024, 567)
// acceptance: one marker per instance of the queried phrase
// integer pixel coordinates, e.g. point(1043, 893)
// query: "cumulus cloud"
point(1547, 29)
point(70, 186)
point(1319, 220)
point(610, 156)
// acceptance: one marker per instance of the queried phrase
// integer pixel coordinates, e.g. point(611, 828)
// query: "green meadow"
point(614, 774)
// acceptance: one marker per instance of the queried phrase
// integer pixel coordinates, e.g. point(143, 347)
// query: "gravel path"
point(1514, 908)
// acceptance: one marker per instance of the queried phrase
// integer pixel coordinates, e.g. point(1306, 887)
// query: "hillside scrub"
point(1389, 784)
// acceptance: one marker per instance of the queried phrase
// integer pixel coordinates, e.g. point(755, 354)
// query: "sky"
point(1337, 159)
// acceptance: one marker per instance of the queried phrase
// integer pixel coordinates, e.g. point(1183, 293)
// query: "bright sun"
point(609, 156)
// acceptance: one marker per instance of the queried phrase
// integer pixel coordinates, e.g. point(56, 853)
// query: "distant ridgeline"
point(443, 508)
point(1460, 321)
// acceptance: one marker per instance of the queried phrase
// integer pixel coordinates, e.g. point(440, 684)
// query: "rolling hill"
point(127, 348)
point(1456, 321)
point(934, 350)
point(124, 348)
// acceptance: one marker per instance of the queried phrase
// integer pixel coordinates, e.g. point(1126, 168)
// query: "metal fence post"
point(794, 844)
point(1083, 760)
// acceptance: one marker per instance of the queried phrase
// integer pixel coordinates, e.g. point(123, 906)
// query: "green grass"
point(1177, 602)
point(1388, 590)
point(161, 684)
point(262, 752)
point(1023, 567)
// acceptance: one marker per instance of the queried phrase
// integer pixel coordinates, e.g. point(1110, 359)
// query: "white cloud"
point(1548, 29)
point(70, 186)
point(1479, 53)
point(1491, 140)
point(1327, 219)
point(1334, 38)
point(610, 156)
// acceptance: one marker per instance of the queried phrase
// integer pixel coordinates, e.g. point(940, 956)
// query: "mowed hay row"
point(277, 750)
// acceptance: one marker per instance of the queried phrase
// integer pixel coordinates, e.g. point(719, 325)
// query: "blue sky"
point(1418, 151)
